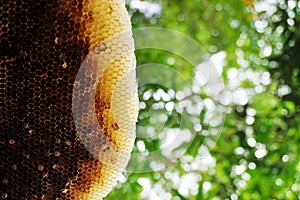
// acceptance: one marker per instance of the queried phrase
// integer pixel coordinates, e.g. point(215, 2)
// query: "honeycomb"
point(68, 98)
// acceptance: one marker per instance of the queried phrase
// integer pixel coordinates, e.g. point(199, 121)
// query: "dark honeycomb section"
point(40, 54)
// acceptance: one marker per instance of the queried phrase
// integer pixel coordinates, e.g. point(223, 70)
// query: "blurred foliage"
point(256, 156)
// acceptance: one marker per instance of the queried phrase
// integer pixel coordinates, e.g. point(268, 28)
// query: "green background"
point(256, 156)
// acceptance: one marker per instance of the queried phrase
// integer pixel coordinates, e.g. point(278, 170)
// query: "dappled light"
point(240, 142)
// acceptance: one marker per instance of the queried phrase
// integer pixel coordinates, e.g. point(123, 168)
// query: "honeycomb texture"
point(68, 98)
